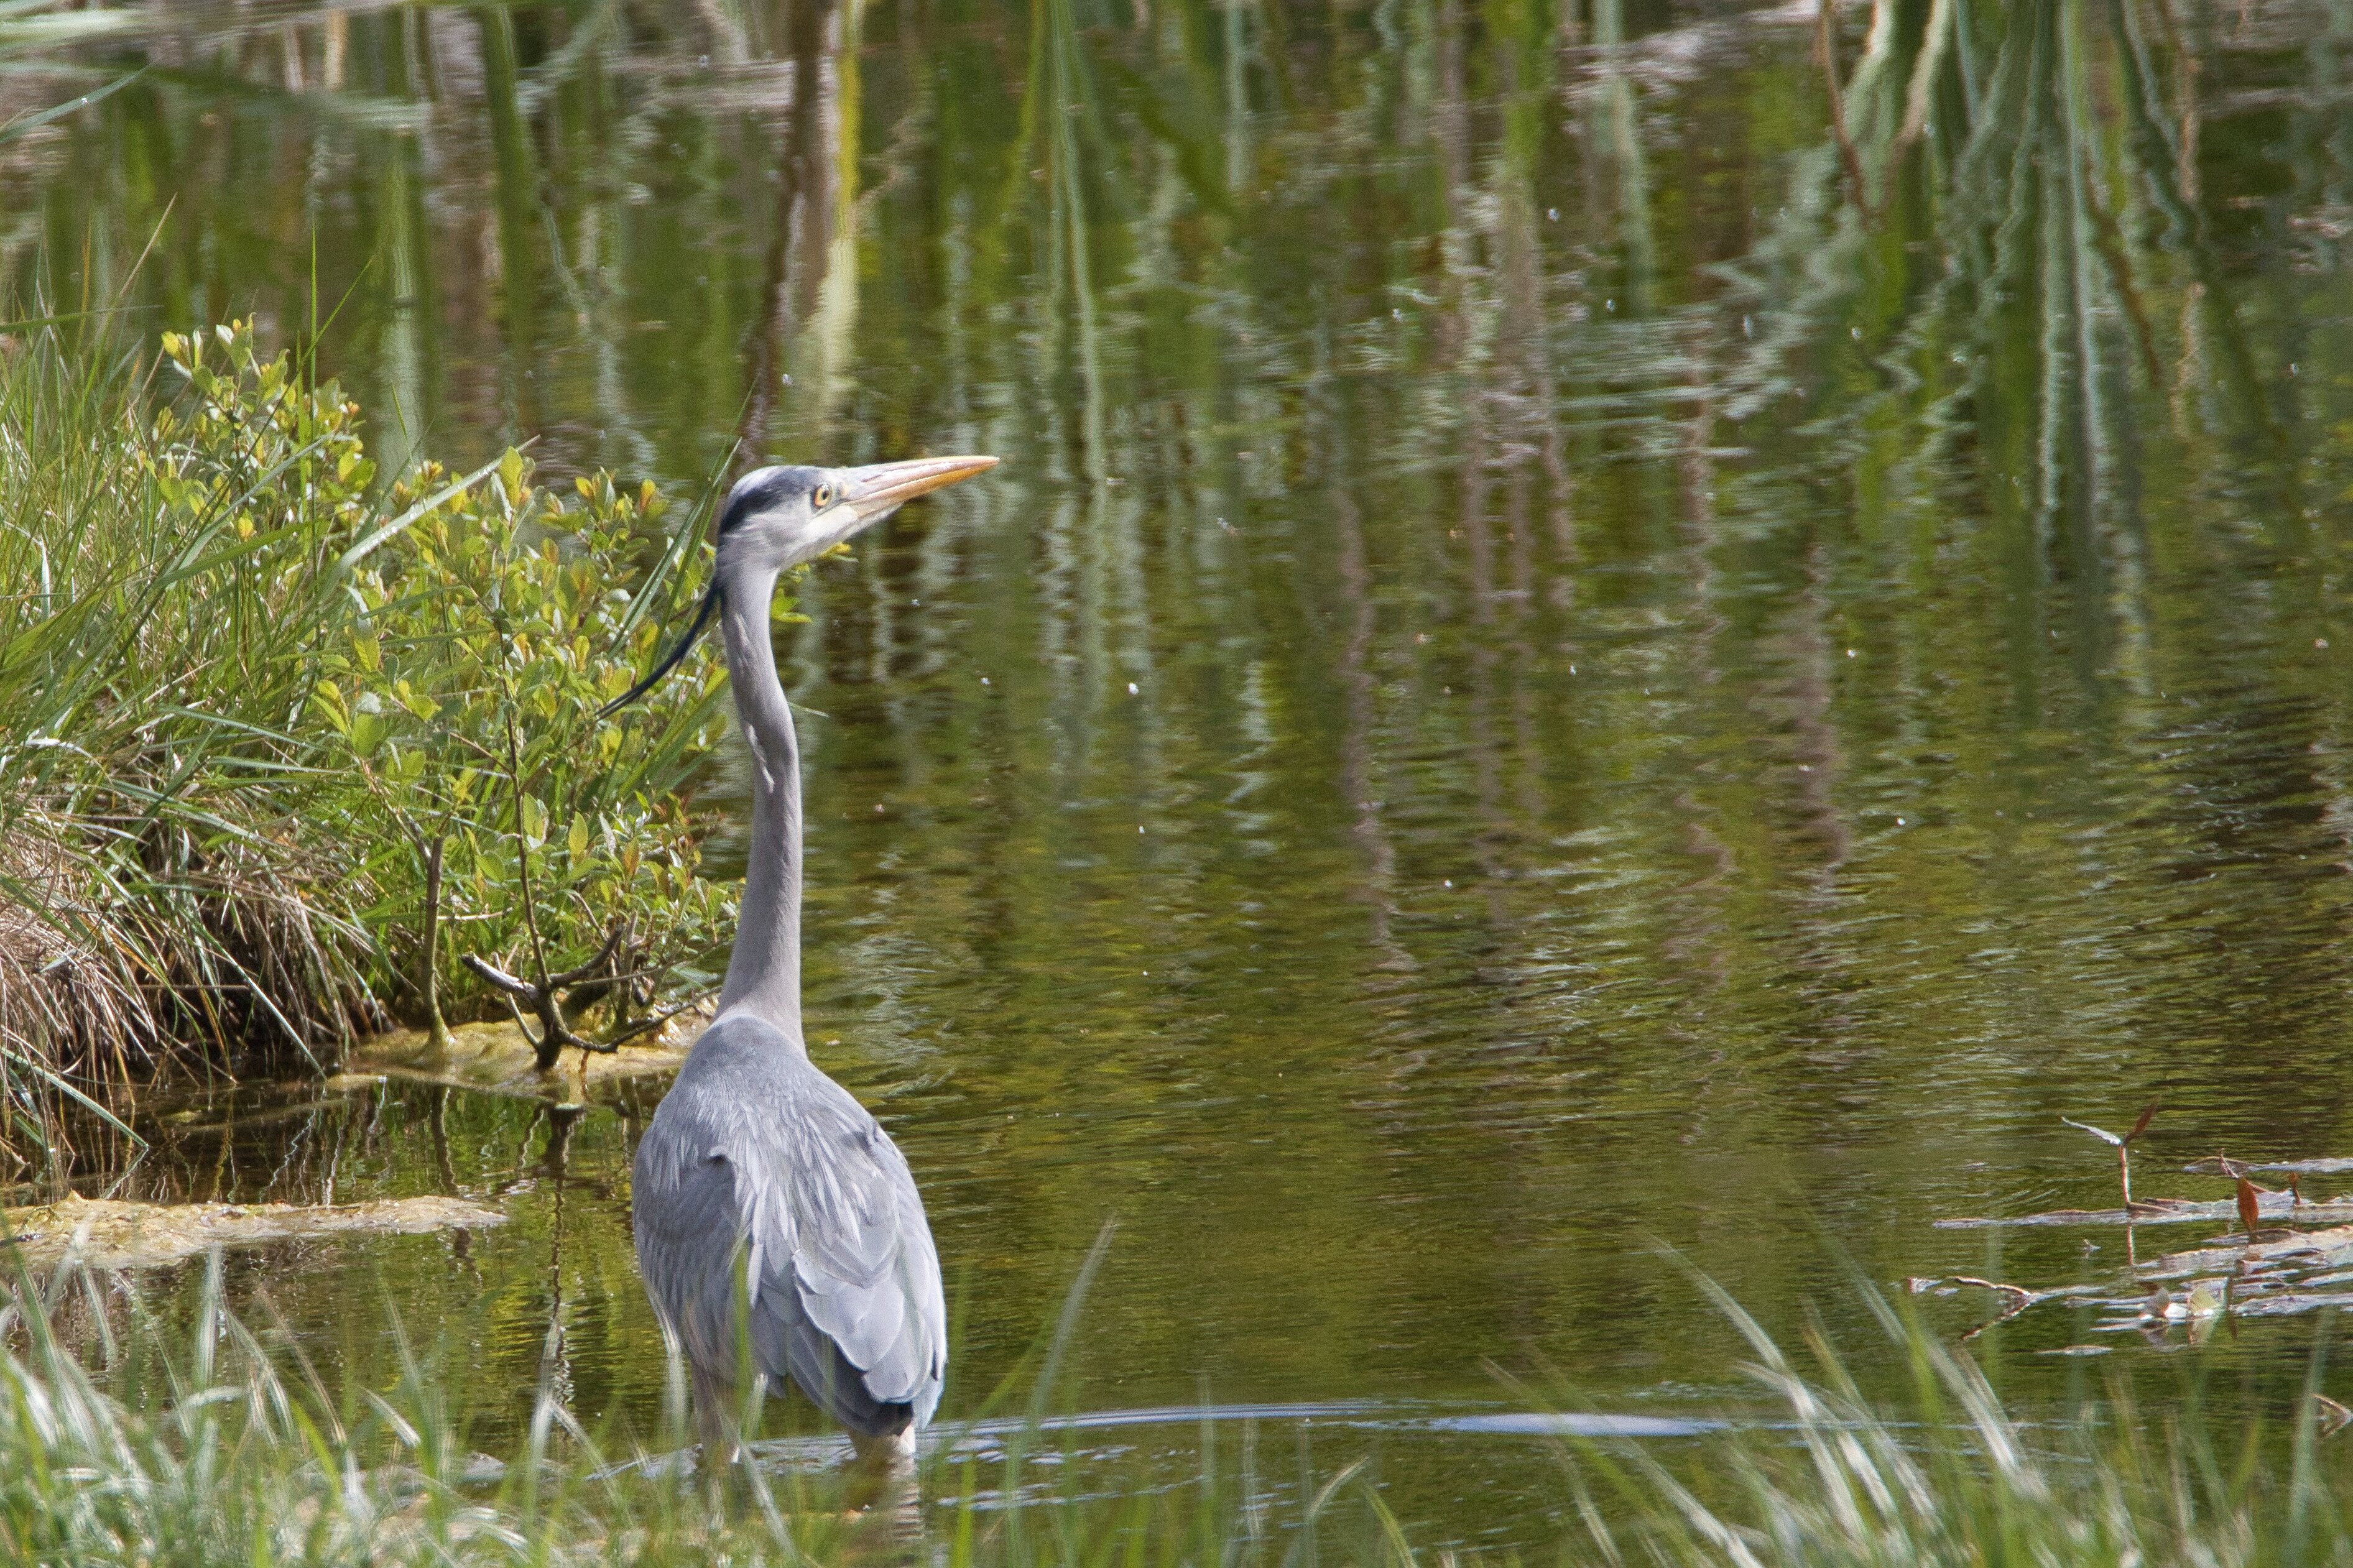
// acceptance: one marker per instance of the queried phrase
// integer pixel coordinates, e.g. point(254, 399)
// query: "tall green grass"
point(1950, 1474)
point(282, 738)
point(154, 887)
point(215, 1444)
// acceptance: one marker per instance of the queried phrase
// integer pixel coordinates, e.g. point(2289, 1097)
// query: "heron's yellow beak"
point(883, 487)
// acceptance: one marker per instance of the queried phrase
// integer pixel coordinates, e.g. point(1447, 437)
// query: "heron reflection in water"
point(778, 1229)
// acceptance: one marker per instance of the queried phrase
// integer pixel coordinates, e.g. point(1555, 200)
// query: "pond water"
point(1538, 688)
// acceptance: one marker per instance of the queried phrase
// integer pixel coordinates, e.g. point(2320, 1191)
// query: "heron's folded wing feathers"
point(757, 1148)
point(847, 1296)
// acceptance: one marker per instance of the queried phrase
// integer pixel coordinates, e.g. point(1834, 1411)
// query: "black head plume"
point(670, 660)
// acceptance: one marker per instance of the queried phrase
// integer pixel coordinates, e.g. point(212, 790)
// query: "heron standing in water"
point(773, 1215)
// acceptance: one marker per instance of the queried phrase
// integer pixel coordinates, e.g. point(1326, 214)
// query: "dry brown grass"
point(214, 961)
point(69, 985)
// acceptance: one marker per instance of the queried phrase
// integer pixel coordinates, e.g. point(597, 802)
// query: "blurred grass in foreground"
point(219, 1443)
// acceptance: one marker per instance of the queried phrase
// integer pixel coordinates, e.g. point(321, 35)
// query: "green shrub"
point(266, 721)
point(467, 696)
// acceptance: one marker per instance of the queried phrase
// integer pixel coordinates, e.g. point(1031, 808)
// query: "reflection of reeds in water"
point(408, 342)
point(1996, 283)
point(516, 182)
point(554, 126)
point(2000, 206)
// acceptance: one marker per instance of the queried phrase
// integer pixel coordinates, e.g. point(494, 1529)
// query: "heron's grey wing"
point(689, 1229)
point(755, 1149)
point(847, 1297)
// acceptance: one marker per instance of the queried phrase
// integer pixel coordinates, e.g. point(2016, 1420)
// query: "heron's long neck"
point(764, 976)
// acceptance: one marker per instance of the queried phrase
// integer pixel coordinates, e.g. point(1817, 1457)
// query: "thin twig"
point(521, 1027)
point(1826, 51)
point(655, 1020)
point(500, 978)
point(604, 956)
point(2021, 1297)
point(523, 843)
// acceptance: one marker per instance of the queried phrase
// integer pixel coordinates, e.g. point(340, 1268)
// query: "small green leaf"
point(416, 701)
point(367, 732)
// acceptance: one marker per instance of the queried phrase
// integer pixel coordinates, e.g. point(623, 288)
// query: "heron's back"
point(755, 1150)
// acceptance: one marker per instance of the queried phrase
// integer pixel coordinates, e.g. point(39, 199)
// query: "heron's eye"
point(824, 497)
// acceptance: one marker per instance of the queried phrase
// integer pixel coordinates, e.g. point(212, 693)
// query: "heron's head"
point(778, 518)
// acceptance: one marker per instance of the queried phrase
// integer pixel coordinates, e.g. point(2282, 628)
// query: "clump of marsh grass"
point(1954, 1476)
point(270, 727)
point(229, 1454)
point(214, 1444)
point(150, 897)
point(217, 1443)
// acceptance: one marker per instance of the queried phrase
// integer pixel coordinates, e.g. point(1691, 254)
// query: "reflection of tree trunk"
point(1458, 331)
point(1081, 547)
point(1356, 782)
point(1486, 771)
point(561, 1120)
point(2070, 454)
point(1238, 183)
point(400, 216)
point(1820, 758)
point(1073, 227)
point(1525, 394)
point(1451, 128)
point(1618, 129)
point(2167, 154)
point(555, 1356)
point(799, 249)
point(437, 1126)
point(518, 201)
point(1701, 943)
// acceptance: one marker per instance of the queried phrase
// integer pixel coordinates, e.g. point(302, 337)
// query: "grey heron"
point(779, 1228)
